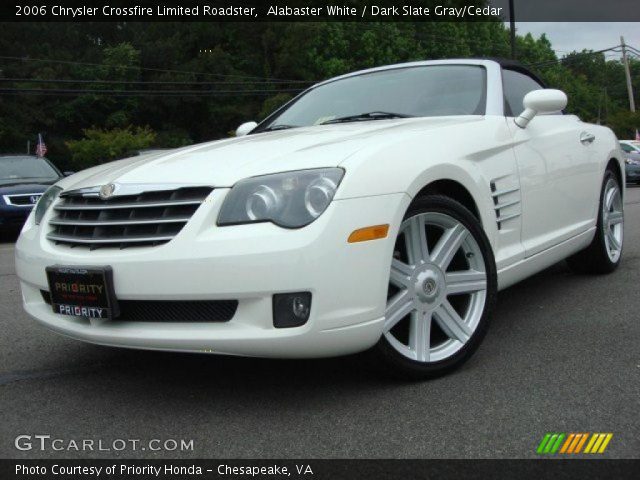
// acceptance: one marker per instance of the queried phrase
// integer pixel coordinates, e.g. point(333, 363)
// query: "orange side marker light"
point(374, 232)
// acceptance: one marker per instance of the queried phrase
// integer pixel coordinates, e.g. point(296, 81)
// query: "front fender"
point(407, 164)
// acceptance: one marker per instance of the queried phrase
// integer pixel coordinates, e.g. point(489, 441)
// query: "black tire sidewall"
point(404, 366)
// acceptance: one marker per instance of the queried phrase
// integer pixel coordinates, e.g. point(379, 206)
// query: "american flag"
point(41, 148)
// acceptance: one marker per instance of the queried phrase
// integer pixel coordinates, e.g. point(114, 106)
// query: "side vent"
point(506, 201)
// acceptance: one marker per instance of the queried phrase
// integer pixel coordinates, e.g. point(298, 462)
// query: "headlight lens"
point(290, 199)
point(45, 202)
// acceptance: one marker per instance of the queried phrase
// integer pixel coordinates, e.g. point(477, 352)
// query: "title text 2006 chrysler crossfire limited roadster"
point(379, 210)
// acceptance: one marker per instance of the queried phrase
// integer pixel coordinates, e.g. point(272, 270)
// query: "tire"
point(603, 254)
point(427, 301)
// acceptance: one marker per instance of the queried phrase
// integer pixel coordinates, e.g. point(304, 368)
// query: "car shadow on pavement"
point(184, 372)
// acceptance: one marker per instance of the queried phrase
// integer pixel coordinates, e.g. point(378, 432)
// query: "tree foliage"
point(251, 68)
point(100, 146)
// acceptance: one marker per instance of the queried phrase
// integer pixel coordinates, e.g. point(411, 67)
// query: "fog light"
point(291, 309)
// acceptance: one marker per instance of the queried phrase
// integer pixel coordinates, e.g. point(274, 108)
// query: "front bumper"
point(249, 263)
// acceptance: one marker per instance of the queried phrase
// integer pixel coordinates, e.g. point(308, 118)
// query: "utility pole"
point(512, 29)
point(627, 72)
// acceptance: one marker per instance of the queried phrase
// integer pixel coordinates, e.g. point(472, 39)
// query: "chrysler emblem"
point(107, 190)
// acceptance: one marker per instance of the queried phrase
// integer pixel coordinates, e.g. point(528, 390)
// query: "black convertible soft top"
point(509, 64)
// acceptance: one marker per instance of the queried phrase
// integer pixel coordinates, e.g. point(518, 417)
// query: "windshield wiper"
point(281, 126)
point(366, 116)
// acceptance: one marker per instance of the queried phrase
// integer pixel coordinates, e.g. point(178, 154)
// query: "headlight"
point(45, 202)
point(290, 199)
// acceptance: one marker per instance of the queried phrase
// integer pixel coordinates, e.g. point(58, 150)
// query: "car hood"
point(222, 163)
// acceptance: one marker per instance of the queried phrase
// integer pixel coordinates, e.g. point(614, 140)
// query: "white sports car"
point(379, 210)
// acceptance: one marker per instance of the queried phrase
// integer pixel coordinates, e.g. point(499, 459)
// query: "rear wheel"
point(442, 288)
point(605, 251)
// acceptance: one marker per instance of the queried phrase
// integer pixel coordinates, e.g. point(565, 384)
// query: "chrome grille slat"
point(151, 215)
point(60, 238)
point(89, 223)
point(125, 205)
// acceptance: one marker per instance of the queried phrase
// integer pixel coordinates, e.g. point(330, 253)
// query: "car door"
point(558, 169)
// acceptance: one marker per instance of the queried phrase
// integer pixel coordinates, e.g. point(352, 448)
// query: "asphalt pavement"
point(562, 355)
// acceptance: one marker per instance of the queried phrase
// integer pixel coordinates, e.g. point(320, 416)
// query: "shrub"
point(101, 146)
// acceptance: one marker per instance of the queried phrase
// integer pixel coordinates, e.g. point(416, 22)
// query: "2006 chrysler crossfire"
point(379, 210)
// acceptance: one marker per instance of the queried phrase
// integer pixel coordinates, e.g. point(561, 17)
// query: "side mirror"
point(68, 173)
point(541, 101)
point(245, 128)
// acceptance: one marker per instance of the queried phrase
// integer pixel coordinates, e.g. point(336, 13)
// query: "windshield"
point(19, 168)
point(425, 91)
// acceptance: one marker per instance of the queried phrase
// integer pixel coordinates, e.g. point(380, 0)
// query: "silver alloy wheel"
point(425, 281)
point(612, 220)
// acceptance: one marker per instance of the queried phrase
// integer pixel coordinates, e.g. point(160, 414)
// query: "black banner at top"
point(318, 10)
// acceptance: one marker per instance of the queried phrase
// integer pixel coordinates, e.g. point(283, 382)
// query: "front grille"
point(167, 311)
point(147, 218)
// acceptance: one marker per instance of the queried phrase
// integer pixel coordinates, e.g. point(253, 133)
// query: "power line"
point(423, 36)
point(574, 57)
point(635, 50)
point(129, 67)
point(17, 91)
point(140, 82)
point(130, 93)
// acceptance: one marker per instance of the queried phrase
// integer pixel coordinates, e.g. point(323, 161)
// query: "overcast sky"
point(566, 37)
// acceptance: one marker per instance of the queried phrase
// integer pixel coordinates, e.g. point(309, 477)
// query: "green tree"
point(253, 63)
point(100, 146)
point(625, 123)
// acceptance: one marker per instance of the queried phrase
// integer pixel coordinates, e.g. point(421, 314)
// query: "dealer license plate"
point(82, 291)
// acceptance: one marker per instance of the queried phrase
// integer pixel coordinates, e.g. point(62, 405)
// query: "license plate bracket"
point(82, 291)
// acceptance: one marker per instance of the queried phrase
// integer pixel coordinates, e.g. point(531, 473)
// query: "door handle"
point(587, 138)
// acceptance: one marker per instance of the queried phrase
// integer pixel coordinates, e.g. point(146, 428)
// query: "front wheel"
point(442, 288)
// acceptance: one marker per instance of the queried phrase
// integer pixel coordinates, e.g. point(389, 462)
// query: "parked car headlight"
point(45, 202)
point(289, 199)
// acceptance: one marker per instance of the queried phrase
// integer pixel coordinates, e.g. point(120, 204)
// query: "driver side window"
point(516, 85)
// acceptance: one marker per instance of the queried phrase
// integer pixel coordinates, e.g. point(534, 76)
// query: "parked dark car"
point(23, 179)
point(631, 149)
